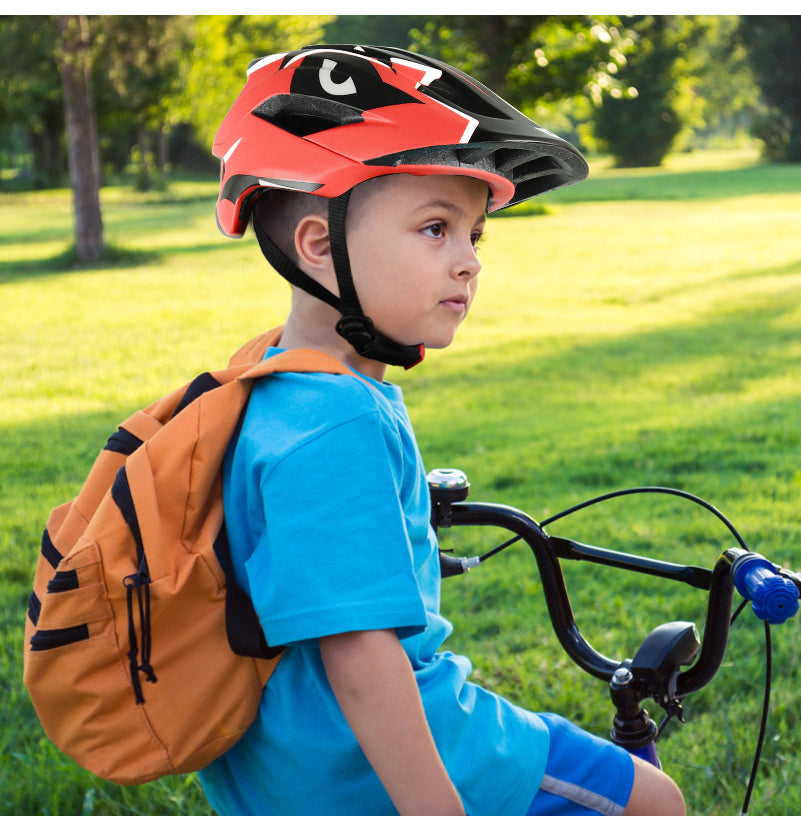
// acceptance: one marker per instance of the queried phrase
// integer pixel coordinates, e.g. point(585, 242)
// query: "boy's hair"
point(279, 211)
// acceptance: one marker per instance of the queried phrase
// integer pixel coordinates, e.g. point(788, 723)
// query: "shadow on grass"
point(663, 406)
point(524, 395)
point(114, 257)
point(679, 406)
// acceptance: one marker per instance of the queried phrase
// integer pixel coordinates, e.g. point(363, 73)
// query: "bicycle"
point(672, 662)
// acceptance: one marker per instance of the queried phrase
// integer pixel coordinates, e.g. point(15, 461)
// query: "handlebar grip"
point(773, 597)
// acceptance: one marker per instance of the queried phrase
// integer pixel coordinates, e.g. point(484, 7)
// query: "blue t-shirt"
point(327, 509)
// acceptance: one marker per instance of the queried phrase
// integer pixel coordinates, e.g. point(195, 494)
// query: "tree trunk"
point(143, 170)
point(82, 144)
point(163, 152)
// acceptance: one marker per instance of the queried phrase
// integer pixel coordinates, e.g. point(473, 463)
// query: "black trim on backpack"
point(34, 608)
point(49, 551)
point(200, 385)
point(123, 442)
point(245, 635)
point(46, 639)
point(121, 493)
point(63, 581)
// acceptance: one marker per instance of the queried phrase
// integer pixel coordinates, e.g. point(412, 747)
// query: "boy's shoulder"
point(300, 422)
point(351, 392)
point(288, 407)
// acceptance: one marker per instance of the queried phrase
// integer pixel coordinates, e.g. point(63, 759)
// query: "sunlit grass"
point(642, 331)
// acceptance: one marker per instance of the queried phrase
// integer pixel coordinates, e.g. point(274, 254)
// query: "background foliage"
point(630, 85)
point(772, 44)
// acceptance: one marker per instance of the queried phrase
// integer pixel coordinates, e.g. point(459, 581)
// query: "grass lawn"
point(642, 331)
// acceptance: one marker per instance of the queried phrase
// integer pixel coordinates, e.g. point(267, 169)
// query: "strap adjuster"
point(358, 331)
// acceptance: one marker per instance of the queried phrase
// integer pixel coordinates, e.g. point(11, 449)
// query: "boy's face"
point(412, 246)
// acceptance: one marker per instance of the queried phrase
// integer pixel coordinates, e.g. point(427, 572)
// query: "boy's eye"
point(439, 230)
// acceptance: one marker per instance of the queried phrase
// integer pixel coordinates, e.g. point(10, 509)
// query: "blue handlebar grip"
point(773, 597)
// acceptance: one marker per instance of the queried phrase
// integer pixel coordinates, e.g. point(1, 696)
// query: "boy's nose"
point(467, 263)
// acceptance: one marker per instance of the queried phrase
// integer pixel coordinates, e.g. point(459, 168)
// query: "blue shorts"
point(584, 774)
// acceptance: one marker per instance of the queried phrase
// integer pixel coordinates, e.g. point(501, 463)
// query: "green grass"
point(642, 331)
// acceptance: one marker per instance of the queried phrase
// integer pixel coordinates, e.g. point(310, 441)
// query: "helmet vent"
point(464, 97)
point(531, 173)
point(472, 156)
point(302, 115)
point(538, 167)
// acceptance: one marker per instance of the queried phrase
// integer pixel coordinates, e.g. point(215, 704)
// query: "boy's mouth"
point(457, 303)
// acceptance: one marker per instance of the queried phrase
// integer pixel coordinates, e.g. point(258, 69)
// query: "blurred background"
point(150, 90)
point(641, 328)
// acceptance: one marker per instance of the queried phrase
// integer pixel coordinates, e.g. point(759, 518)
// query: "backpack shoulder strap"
point(248, 362)
point(253, 351)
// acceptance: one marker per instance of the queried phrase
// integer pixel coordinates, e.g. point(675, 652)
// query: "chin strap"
point(354, 326)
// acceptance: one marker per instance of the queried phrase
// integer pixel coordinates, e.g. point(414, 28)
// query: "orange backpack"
point(134, 617)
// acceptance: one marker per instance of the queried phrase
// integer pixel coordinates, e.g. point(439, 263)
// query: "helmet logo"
point(330, 86)
point(334, 75)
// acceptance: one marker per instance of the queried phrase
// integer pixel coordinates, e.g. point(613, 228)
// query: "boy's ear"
point(312, 243)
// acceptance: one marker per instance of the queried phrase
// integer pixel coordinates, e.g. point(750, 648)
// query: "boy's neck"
point(302, 332)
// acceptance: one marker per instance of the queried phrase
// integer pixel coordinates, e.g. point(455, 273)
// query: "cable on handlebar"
point(649, 490)
point(764, 723)
point(738, 611)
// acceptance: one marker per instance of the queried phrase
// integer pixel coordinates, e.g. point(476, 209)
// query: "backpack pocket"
point(72, 660)
point(72, 605)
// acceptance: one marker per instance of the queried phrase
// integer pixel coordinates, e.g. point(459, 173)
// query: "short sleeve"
point(335, 555)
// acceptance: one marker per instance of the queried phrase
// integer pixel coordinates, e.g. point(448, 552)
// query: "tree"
point(717, 74)
point(373, 29)
point(638, 128)
point(32, 94)
point(82, 144)
point(773, 45)
point(139, 64)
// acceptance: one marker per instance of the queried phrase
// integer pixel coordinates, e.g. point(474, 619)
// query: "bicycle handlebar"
point(773, 597)
point(773, 592)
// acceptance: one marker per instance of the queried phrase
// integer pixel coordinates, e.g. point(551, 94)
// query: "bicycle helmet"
point(323, 119)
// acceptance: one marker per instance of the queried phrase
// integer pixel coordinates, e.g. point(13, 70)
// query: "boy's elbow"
point(356, 661)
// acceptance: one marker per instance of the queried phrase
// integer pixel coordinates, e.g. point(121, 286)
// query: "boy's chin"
point(440, 341)
point(440, 344)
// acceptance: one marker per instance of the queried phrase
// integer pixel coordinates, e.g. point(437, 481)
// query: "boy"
point(368, 173)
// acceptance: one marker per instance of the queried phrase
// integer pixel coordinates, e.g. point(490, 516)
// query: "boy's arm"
point(376, 689)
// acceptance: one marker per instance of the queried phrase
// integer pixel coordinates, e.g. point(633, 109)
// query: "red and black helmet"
point(326, 118)
point(323, 119)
